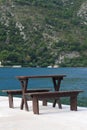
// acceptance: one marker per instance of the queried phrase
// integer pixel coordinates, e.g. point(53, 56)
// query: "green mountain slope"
point(43, 32)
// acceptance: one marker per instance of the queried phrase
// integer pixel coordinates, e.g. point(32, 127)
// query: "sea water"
point(76, 78)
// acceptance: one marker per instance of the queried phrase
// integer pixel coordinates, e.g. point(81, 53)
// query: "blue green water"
point(76, 78)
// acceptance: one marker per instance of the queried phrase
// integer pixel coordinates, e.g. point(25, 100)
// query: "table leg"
point(24, 84)
point(22, 104)
point(57, 82)
point(59, 103)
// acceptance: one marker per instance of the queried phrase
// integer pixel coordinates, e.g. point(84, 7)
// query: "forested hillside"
point(43, 33)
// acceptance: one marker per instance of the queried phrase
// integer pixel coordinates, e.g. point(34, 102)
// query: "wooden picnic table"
point(56, 79)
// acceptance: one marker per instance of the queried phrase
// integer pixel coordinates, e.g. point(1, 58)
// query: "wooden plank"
point(55, 94)
point(40, 76)
point(11, 93)
point(47, 95)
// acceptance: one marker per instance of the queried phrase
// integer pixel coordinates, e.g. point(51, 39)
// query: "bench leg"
point(35, 105)
point(10, 97)
point(44, 102)
point(59, 103)
point(26, 105)
point(73, 103)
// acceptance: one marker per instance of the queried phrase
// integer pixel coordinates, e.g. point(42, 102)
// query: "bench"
point(11, 93)
point(53, 95)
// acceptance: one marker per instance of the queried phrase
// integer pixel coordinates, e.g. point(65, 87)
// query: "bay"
point(76, 78)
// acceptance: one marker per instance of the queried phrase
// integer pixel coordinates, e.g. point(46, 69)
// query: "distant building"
point(1, 64)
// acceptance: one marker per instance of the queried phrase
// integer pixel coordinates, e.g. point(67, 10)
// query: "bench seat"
point(55, 95)
point(11, 93)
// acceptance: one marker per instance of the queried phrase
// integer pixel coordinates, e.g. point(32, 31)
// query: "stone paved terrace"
point(49, 118)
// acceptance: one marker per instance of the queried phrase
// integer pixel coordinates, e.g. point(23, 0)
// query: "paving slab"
point(49, 118)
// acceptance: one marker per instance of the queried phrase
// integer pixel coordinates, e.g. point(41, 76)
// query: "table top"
point(40, 76)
